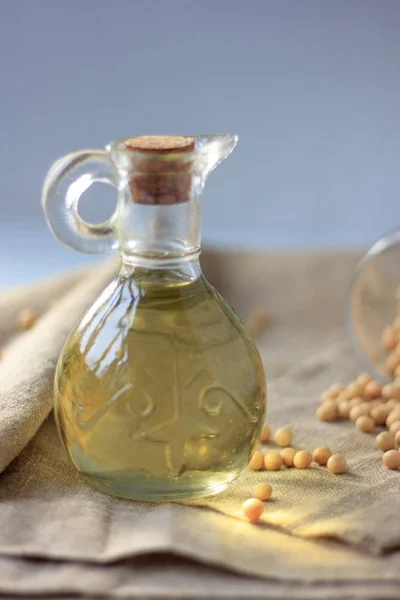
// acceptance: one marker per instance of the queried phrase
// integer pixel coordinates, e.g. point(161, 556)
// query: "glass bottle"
point(373, 302)
point(159, 390)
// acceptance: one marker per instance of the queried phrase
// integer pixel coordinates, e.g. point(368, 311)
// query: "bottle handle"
point(68, 178)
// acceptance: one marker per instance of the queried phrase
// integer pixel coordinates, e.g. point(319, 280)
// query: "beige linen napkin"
point(168, 576)
point(48, 511)
point(29, 358)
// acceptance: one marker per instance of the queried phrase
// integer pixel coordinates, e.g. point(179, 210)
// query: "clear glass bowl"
point(371, 303)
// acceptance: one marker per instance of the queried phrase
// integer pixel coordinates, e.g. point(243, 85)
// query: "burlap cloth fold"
point(322, 536)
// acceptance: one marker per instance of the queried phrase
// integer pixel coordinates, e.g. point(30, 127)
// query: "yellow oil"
point(160, 392)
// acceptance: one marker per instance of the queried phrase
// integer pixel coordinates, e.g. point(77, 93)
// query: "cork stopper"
point(160, 144)
point(161, 175)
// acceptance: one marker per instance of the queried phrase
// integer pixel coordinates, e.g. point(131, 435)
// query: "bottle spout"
point(201, 153)
point(213, 149)
point(169, 169)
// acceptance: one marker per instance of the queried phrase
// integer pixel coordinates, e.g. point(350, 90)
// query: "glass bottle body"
point(160, 392)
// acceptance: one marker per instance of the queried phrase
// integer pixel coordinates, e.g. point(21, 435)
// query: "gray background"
point(311, 86)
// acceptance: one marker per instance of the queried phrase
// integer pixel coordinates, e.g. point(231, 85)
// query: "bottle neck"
point(153, 269)
point(163, 235)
